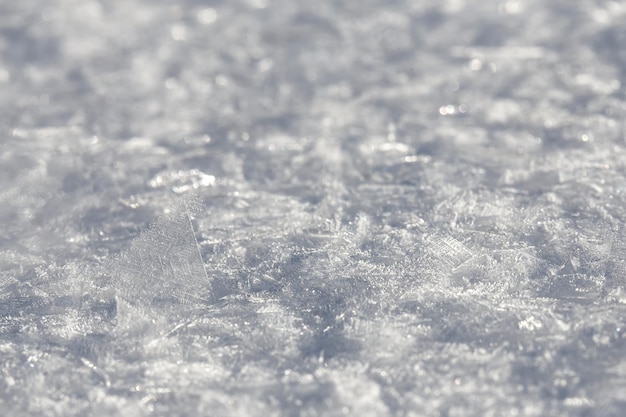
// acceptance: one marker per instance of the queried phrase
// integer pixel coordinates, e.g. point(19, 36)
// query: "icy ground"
point(312, 208)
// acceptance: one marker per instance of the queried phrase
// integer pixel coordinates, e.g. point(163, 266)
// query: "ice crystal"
point(163, 264)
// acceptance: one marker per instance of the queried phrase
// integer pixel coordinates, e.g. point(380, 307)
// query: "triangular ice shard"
point(164, 265)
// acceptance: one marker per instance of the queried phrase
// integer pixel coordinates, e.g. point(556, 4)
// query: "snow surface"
point(303, 208)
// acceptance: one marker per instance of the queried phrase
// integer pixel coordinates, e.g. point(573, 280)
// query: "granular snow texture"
point(312, 208)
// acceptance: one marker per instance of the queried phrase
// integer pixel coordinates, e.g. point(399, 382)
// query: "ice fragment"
point(164, 264)
point(450, 252)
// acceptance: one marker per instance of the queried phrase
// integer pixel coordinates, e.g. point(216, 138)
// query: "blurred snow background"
point(403, 208)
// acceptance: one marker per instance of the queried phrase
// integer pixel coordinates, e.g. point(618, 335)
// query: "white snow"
point(291, 208)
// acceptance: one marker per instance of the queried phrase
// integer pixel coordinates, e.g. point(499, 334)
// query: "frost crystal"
point(164, 265)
